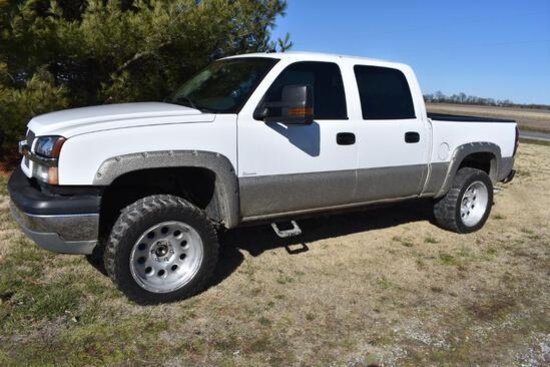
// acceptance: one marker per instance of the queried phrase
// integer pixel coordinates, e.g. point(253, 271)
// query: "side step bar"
point(285, 233)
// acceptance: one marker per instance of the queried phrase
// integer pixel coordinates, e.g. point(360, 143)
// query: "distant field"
point(535, 120)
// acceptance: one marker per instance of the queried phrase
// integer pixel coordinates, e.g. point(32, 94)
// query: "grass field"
point(385, 287)
point(528, 119)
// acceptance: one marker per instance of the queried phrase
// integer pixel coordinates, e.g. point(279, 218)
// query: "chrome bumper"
point(65, 234)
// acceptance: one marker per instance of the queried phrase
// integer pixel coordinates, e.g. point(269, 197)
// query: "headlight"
point(49, 146)
point(46, 155)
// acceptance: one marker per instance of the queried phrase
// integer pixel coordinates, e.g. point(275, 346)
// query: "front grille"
point(30, 138)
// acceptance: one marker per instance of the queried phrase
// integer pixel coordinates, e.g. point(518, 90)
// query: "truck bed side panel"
point(450, 136)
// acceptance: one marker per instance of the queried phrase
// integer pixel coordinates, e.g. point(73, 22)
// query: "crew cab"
point(251, 138)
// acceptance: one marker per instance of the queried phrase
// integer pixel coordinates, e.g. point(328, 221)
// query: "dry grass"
point(385, 287)
point(528, 119)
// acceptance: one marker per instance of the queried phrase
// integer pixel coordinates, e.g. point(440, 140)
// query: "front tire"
point(467, 205)
point(161, 249)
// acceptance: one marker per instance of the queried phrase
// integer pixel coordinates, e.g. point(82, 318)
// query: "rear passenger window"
point(328, 89)
point(384, 92)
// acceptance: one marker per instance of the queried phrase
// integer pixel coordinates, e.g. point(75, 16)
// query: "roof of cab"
point(317, 56)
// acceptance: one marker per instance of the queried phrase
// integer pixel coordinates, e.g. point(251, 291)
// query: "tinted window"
point(326, 80)
point(384, 92)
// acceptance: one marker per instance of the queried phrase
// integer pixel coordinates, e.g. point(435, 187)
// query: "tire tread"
point(445, 208)
point(128, 222)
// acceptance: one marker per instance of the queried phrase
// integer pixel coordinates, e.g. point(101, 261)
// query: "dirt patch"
point(4, 203)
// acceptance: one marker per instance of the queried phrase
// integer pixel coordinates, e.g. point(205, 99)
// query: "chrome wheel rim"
point(474, 203)
point(166, 257)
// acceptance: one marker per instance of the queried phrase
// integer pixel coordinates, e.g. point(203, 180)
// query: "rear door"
point(394, 138)
point(295, 168)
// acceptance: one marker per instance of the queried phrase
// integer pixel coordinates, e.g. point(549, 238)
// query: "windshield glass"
point(224, 86)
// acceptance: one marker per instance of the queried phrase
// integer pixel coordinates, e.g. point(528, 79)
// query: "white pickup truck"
point(251, 138)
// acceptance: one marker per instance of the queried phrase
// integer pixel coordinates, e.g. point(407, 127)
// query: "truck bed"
point(462, 118)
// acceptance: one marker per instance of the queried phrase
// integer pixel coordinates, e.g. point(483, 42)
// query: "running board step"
point(285, 233)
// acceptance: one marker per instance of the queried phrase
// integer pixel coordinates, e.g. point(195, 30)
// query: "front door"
point(295, 168)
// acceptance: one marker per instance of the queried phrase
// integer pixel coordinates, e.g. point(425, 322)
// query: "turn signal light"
point(516, 146)
point(53, 176)
point(300, 111)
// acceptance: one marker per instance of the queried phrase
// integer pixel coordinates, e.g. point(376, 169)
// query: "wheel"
point(467, 205)
point(161, 249)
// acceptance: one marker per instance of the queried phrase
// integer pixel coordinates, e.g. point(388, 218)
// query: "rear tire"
point(161, 249)
point(467, 205)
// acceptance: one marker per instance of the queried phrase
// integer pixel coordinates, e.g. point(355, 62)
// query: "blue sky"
point(487, 48)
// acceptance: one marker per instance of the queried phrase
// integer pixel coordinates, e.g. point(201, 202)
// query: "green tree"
point(70, 53)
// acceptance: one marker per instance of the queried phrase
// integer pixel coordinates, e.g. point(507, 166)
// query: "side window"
point(328, 88)
point(384, 93)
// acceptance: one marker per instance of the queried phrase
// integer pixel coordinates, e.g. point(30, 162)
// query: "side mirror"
point(295, 107)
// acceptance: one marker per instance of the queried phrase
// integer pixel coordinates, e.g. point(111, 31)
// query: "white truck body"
point(96, 134)
point(363, 137)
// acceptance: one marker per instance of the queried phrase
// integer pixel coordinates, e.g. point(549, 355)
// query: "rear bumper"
point(63, 224)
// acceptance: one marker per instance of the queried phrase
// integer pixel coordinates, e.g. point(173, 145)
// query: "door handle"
point(412, 137)
point(345, 138)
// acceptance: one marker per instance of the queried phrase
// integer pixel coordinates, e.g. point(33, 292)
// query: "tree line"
point(57, 54)
point(462, 98)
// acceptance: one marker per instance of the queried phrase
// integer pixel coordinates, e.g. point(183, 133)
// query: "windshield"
point(224, 86)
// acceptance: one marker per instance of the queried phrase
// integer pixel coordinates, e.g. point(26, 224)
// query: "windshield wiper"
point(190, 103)
point(177, 99)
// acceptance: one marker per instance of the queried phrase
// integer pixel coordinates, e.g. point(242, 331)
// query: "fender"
point(226, 193)
point(463, 151)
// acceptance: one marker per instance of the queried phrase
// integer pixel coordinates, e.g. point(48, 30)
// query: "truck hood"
point(84, 120)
